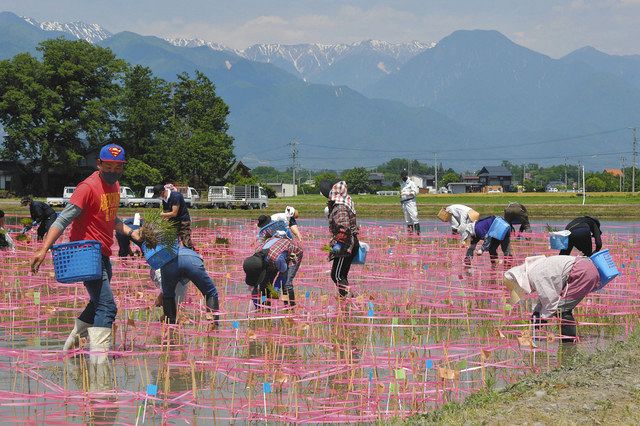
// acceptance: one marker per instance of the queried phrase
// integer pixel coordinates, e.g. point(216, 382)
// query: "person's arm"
point(281, 263)
point(341, 220)
point(172, 213)
point(62, 221)
point(597, 236)
point(124, 229)
point(296, 232)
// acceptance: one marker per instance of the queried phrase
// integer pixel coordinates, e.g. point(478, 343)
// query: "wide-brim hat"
point(254, 269)
point(158, 190)
point(325, 187)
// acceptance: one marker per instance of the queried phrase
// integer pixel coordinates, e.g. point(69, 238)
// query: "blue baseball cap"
point(112, 152)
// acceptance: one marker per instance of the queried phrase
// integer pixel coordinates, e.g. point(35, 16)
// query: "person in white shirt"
point(459, 215)
point(408, 192)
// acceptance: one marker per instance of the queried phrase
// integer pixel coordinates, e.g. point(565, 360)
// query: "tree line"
point(59, 107)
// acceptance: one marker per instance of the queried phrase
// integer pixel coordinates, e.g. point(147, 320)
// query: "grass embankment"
point(540, 206)
point(601, 388)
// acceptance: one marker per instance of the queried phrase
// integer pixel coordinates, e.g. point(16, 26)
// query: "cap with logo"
point(112, 152)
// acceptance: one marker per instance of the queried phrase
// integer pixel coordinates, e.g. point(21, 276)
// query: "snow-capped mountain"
point(92, 33)
point(198, 42)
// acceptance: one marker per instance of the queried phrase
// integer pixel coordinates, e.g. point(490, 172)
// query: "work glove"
point(293, 258)
point(337, 247)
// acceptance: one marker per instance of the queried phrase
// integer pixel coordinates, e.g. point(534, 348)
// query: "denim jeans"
point(188, 264)
point(101, 310)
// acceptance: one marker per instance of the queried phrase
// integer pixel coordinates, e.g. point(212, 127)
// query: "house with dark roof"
point(495, 176)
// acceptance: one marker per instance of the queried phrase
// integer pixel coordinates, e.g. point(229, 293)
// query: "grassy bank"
point(602, 388)
point(540, 206)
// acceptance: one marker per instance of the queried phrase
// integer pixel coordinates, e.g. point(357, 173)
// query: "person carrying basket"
point(92, 213)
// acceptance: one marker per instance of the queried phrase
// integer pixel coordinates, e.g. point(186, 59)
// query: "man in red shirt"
point(92, 213)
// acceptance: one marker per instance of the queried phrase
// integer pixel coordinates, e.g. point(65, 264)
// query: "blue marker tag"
point(263, 299)
point(307, 294)
point(370, 305)
point(425, 266)
point(429, 364)
point(370, 313)
point(266, 387)
point(152, 390)
point(390, 251)
point(235, 325)
point(370, 375)
point(622, 266)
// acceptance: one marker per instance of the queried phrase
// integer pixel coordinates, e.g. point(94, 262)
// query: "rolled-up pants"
point(410, 210)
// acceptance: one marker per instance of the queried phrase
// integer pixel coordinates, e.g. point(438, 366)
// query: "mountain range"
point(475, 97)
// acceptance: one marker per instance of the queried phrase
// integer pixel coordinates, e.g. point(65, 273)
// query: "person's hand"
point(37, 259)
point(337, 247)
point(135, 235)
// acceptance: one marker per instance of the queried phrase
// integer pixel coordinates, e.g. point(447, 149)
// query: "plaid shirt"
point(343, 226)
point(283, 245)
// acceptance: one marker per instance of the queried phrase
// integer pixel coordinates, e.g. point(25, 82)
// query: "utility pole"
point(635, 157)
point(621, 174)
point(294, 163)
point(435, 165)
point(566, 181)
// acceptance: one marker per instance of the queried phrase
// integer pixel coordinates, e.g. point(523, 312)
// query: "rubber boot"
point(410, 229)
point(568, 327)
point(416, 227)
point(100, 369)
point(343, 288)
point(292, 298)
point(169, 309)
point(214, 305)
point(79, 330)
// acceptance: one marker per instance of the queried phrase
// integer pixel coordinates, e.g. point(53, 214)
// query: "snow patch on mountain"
point(93, 33)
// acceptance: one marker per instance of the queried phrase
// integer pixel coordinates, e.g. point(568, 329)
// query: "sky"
point(554, 28)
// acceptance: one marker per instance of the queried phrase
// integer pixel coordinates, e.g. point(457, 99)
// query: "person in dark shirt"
point(175, 211)
point(582, 229)
point(516, 213)
point(41, 213)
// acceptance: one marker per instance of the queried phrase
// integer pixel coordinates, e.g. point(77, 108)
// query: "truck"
point(61, 201)
point(190, 194)
point(249, 197)
point(128, 198)
point(220, 197)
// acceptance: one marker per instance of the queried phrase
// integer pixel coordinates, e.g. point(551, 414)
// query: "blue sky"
point(551, 27)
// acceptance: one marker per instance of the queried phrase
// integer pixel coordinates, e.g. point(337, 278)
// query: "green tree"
point(195, 145)
point(56, 109)
point(448, 178)
point(331, 176)
point(357, 180)
point(595, 184)
point(138, 174)
point(143, 111)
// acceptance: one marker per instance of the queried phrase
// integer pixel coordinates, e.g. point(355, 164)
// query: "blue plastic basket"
point(499, 229)
point(606, 267)
point(77, 261)
point(558, 242)
point(160, 255)
point(361, 256)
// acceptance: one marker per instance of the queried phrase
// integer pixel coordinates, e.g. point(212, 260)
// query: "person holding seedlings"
point(279, 257)
point(473, 232)
point(408, 192)
point(344, 244)
point(516, 214)
point(582, 229)
point(458, 215)
point(186, 266)
point(560, 283)
point(124, 242)
point(92, 213)
point(174, 209)
point(6, 243)
point(41, 213)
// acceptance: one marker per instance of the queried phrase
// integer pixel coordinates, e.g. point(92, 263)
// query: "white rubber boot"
point(99, 343)
point(79, 330)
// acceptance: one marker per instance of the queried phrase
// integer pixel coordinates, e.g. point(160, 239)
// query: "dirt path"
point(600, 389)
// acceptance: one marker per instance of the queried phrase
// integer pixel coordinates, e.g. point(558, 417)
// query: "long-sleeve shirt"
point(280, 251)
point(408, 190)
point(343, 226)
point(459, 215)
point(587, 222)
point(40, 211)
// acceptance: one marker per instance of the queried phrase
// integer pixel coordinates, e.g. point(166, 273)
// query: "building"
point(376, 179)
point(614, 172)
point(495, 176)
point(423, 181)
point(284, 189)
point(12, 176)
point(554, 186)
point(462, 187)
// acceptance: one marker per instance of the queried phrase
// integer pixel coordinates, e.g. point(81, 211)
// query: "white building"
point(284, 189)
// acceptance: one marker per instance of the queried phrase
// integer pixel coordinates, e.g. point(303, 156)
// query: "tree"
point(195, 144)
point(330, 176)
point(138, 174)
point(595, 184)
point(143, 111)
point(55, 110)
point(448, 178)
point(357, 180)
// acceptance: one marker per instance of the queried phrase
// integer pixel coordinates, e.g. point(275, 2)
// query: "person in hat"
point(408, 192)
point(41, 213)
point(344, 230)
point(6, 243)
point(458, 215)
point(582, 229)
point(288, 219)
point(516, 214)
point(174, 209)
point(560, 283)
point(472, 233)
point(279, 257)
point(92, 213)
